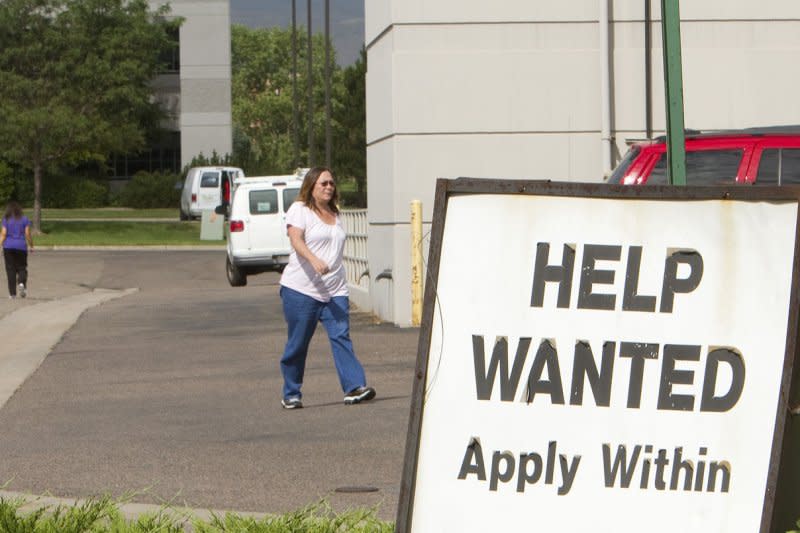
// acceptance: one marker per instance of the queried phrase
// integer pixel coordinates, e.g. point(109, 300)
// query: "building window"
point(163, 155)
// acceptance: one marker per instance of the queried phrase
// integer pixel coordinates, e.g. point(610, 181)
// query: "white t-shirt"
point(326, 241)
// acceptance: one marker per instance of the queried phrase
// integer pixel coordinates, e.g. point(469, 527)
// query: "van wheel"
point(184, 216)
point(236, 277)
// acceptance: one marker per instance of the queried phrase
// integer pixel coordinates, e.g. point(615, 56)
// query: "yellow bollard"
point(416, 262)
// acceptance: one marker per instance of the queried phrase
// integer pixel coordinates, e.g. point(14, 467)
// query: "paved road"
point(174, 388)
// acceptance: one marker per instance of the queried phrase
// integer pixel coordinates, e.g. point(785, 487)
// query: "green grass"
point(102, 515)
point(119, 233)
point(106, 212)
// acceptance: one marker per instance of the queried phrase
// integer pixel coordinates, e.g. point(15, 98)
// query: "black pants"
point(16, 268)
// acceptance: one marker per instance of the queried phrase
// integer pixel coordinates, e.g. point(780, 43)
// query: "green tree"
point(75, 80)
point(6, 183)
point(263, 103)
point(350, 139)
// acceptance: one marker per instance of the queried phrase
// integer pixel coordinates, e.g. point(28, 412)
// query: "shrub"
point(149, 190)
point(89, 193)
point(314, 518)
point(65, 191)
point(98, 515)
point(353, 199)
point(213, 161)
point(61, 188)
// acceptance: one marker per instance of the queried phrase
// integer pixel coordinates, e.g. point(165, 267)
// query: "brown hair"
point(308, 185)
point(13, 210)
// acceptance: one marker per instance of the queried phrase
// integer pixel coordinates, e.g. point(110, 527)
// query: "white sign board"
point(603, 364)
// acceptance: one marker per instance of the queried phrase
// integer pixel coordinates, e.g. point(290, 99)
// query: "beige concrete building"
point(205, 76)
point(195, 90)
point(522, 89)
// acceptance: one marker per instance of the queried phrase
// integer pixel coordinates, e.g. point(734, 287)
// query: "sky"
point(346, 21)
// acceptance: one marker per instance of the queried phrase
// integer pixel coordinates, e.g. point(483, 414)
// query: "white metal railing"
point(355, 248)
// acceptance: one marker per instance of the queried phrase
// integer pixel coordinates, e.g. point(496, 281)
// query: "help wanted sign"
point(603, 364)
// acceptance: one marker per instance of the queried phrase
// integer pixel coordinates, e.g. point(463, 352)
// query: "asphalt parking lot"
point(170, 388)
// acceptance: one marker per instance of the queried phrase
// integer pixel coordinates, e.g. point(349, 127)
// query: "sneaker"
point(21, 290)
point(292, 403)
point(361, 394)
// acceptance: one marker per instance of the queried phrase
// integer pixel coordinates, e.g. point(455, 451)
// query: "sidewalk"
point(30, 332)
point(51, 279)
point(59, 293)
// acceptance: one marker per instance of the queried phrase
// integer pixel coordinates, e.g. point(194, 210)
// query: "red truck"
point(764, 156)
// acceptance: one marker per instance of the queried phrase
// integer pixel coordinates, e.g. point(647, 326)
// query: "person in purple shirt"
point(15, 238)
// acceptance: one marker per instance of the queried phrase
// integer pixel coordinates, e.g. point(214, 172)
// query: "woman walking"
point(314, 289)
point(15, 238)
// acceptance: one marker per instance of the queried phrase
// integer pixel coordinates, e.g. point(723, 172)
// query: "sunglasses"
point(326, 183)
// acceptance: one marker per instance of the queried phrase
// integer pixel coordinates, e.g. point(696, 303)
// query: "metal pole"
point(295, 102)
point(606, 141)
point(416, 262)
point(673, 90)
point(327, 84)
point(310, 92)
point(648, 71)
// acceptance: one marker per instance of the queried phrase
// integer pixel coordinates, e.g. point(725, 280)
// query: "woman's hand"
point(320, 266)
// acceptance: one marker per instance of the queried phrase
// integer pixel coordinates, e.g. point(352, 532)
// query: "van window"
point(779, 166)
point(703, 167)
point(289, 196)
point(209, 180)
point(264, 202)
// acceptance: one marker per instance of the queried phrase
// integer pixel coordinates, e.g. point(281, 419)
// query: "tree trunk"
point(37, 198)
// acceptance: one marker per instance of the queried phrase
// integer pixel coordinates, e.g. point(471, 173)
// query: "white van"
point(205, 188)
point(257, 239)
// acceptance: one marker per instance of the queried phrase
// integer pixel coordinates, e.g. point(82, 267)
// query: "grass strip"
point(105, 212)
point(102, 515)
point(119, 233)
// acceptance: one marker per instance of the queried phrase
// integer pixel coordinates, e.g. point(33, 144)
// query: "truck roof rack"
point(273, 180)
point(789, 129)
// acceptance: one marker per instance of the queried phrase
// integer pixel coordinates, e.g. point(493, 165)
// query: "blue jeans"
point(302, 314)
